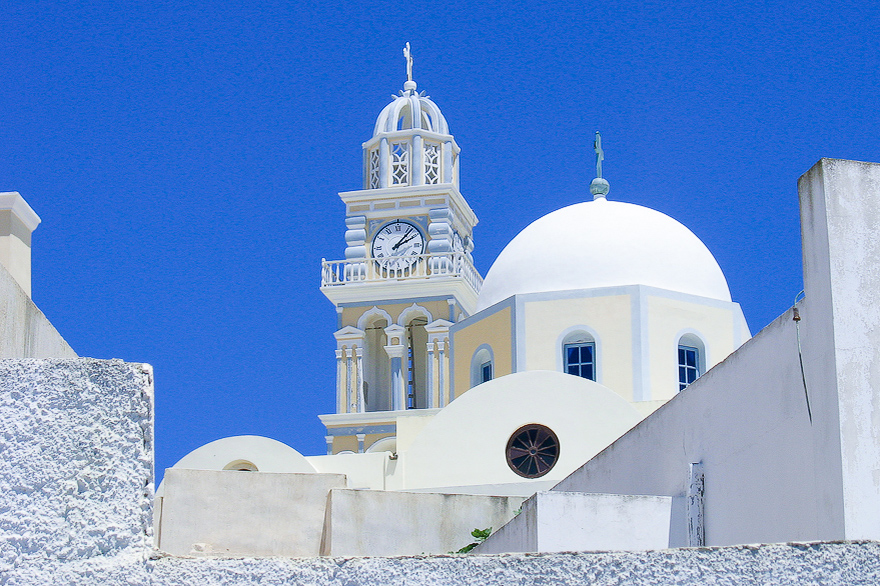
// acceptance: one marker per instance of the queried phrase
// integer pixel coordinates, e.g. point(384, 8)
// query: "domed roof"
point(603, 244)
point(411, 110)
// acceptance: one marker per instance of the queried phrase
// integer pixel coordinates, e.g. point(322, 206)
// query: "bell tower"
point(407, 276)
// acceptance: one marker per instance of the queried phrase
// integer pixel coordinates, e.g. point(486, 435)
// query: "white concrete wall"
point(772, 473)
point(366, 470)
point(24, 330)
point(466, 442)
point(840, 211)
point(575, 521)
point(746, 420)
point(232, 513)
point(364, 522)
point(75, 482)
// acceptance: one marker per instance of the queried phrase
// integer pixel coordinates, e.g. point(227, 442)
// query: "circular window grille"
point(532, 450)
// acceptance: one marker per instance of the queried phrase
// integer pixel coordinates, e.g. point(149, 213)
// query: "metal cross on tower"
point(600, 154)
point(409, 61)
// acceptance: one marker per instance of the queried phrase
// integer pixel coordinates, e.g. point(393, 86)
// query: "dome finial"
point(410, 85)
point(599, 187)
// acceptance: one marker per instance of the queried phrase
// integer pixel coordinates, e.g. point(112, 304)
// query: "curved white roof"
point(411, 110)
point(603, 244)
point(267, 455)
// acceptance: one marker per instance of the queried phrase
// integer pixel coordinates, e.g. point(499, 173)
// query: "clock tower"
point(407, 276)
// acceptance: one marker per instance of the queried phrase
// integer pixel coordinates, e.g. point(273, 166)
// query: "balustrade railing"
point(422, 266)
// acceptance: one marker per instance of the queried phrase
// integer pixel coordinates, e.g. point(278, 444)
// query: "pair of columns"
point(350, 367)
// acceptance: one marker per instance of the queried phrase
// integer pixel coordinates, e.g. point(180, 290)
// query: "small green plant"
point(479, 536)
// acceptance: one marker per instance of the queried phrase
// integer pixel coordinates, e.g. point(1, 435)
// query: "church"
point(598, 390)
point(591, 318)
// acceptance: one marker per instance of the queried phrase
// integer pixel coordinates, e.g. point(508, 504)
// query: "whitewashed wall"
point(772, 474)
point(76, 438)
point(369, 522)
point(575, 521)
point(232, 513)
point(24, 330)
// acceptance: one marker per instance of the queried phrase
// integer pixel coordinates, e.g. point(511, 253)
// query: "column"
point(359, 384)
point(384, 159)
point(348, 380)
point(396, 350)
point(349, 344)
point(432, 384)
point(438, 336)
point(417, 162)
point(340, 382)
point(329, 440)
point(447, 163)
point(445, 387)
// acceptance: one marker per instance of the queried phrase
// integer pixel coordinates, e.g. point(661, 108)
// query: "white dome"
point(411, 110)
point(603, 244)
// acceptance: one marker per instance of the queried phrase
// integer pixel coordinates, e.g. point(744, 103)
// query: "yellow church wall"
point(494, 330)
point(668, 319)
point(438, 309)
point(608, 318)
point(344, 442)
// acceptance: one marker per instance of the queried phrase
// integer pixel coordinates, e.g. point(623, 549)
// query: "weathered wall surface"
point(361, 522)
point(746, 420)
point(840, 220)
point(822, 564)
point(226, 512)
point(553, 521)
point(24, 330)
point(76, 440)
point(774, 471)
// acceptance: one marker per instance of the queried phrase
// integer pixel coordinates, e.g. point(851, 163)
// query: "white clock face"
point(397, 245)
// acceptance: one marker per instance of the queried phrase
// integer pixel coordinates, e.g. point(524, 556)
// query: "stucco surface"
point(76, 440)
point(825, 564)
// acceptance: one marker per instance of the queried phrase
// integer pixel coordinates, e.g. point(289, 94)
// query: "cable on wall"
point(796, 316)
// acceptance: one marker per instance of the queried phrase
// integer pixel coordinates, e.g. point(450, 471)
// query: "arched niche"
point(482, 359)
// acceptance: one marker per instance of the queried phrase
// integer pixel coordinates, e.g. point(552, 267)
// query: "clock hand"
point(407, 240)
point(402, 240)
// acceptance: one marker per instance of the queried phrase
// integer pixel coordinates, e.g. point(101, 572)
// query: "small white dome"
point(603, 244)
point(411, 110)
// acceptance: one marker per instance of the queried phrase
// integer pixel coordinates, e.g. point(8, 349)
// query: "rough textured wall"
point(768, 565)
point(24, 330)
point(822, 564)
point(76, 458)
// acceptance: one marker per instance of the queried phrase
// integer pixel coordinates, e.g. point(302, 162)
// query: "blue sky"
point(185, 160)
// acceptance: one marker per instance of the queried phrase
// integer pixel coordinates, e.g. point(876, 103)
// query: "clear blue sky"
point(185, 159)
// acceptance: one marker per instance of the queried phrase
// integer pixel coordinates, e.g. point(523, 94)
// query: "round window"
point(532, 450)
